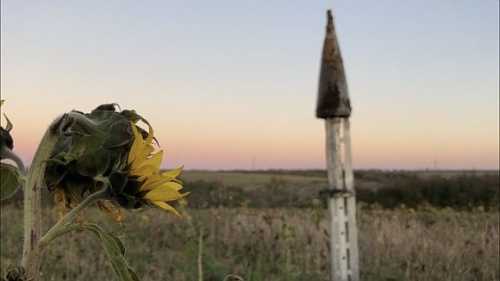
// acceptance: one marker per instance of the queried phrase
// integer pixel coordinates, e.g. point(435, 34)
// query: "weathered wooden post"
point(334, 106)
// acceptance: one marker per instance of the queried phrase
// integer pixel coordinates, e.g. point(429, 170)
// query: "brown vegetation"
point(276, 244)
point(272, 226)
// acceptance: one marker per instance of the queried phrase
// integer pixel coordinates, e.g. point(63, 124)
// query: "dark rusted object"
point(333, 97)
point(6, 139)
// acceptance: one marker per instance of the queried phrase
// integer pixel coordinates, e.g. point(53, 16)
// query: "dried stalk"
point(32, 203)
point(200, 255)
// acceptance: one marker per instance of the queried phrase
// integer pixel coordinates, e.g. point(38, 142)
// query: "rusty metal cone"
point(333, 96)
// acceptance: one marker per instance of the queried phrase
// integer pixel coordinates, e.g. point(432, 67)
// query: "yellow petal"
point(168, 185)
point(174, 185)
point(156, 180)
point(143, 159)
point(166, 207)
point(152, 181)
point(155, 160)
point(163, 193)
point(149, 166)
point(148, 149)
point(144, 171)
point(173, 173)
point(136, 147)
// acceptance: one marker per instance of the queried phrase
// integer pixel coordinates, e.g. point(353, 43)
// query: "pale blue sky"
point(226, 81)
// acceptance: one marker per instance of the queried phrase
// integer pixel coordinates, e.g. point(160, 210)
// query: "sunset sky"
point(232, 84)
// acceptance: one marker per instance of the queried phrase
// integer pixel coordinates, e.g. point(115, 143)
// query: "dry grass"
point(276, 244)
point(253, 180)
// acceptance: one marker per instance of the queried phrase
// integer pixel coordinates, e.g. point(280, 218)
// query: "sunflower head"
point(108, 149)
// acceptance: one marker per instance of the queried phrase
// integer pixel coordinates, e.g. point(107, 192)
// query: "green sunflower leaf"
point(10, 180)
point(115, 251)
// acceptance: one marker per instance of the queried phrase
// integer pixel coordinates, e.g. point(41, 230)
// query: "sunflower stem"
point(200, 255)
point(63, 225)
point(32, 203)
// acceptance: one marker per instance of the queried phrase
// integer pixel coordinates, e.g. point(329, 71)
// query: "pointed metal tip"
point(329, 24)
point(333, 98)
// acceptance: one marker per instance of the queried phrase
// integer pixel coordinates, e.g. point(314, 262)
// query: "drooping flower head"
point(108, 149)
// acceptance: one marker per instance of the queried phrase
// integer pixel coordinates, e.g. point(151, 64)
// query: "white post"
point(341, 202)
point(335, 107)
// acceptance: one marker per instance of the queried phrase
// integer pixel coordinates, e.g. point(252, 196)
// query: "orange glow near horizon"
point(231, 90)
point(287, 149)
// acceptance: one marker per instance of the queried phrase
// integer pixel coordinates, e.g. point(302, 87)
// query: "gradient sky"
point(225, 82)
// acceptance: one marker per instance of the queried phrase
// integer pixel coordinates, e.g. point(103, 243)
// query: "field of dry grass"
point(275, 244)
point(462, 190)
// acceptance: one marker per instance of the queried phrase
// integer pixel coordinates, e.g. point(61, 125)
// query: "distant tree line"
point(396, 189)
point(461, 192)
point(393, 189)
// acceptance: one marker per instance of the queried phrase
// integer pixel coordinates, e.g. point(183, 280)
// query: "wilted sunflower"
point(107, 149)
